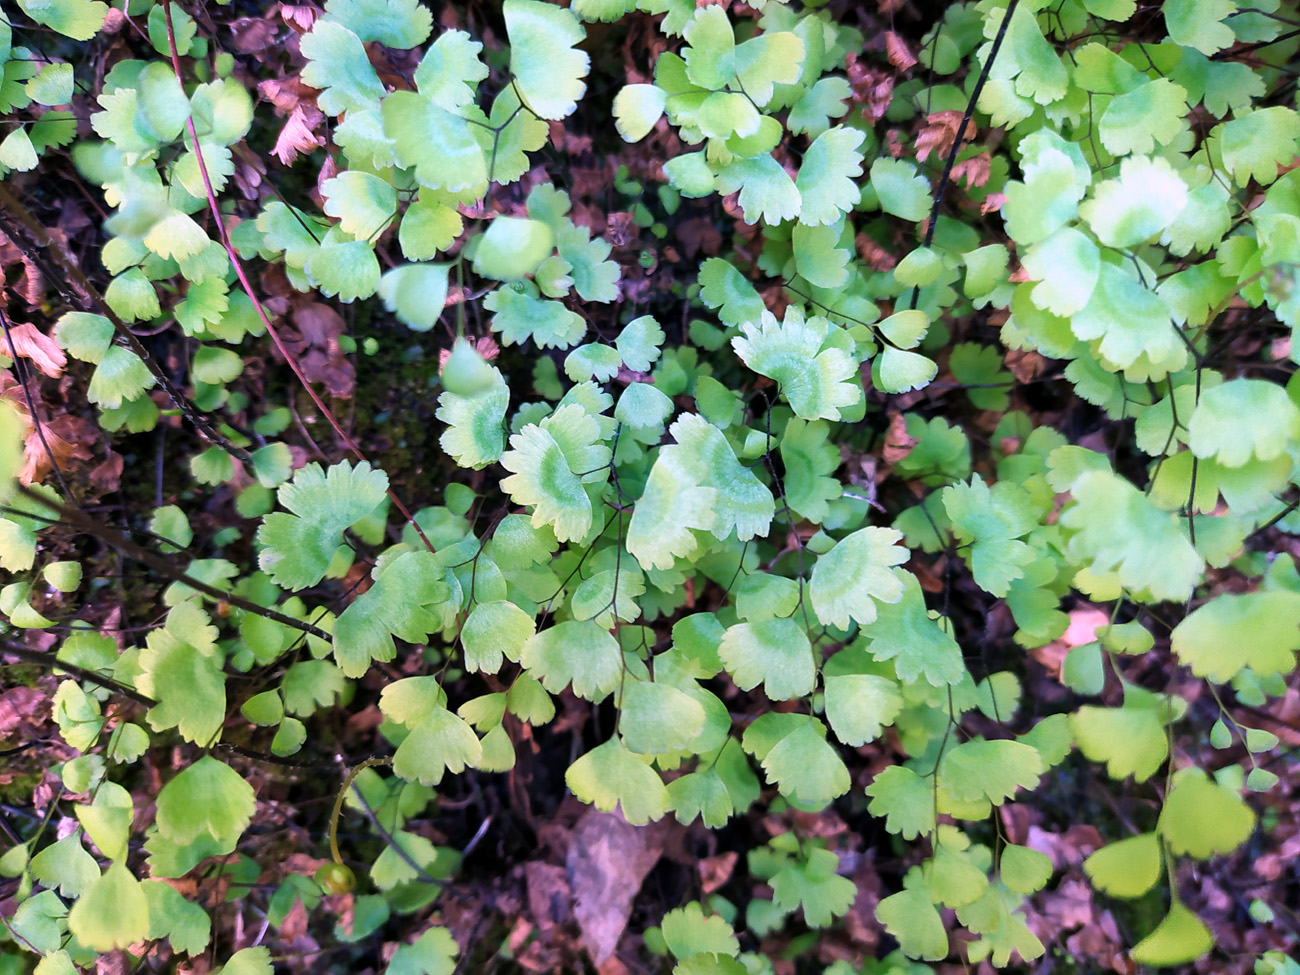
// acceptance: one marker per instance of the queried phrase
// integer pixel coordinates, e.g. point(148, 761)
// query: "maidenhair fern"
point(777, 532)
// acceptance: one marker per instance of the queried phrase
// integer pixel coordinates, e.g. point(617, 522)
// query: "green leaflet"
point(1180, 937)
point(609, 775)
point(208, 797)
point(579, 653)
point(400, 604)
point(1202, 818)
point(919, 646)
point(816, 380)
point(695, 485)
point(1117, 529)
point(551, 462)
point(797, 758)
point(394, 23)
point(857, 570)
point(338, 65)
point(112, 913)
point(773, 652)
point(991, 521)
point(298, 547)
point(1235, 631)
point(1127, 868)
point(438, 741)
point(547, 69)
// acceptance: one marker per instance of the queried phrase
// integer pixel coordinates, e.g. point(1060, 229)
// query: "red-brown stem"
point(248, 287)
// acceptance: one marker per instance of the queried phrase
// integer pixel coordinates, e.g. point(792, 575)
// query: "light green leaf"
point(1128, 868)
point(1117, 528)
point(1254, 145)
point(401, 603)
point(1146, 198)
point(710, 51)
point(439, 741)
point(827, 99)
point(1067, 263)
point(184, 924)
point(990, 521)
point(638, 343)
point(53, 86)
point(1180, 938)
point(208, 797)
point(437, 144)
point(609, 775)
point(897, 371)
point(494, 630)
point(432, 953)
point(344, 268)
point(85, 336)
point(1024, 870)
point(690, 175)
point(132, 296)
point(216, 366)
point(338, 65)
point(1241, 419)
point(521, 315)
point(915, 922)
point(860, 706)
point(1048, 198)
point(512, 248)
point(772, 652)
point(415, 293)
point(725, 289)
point(1235, 631)
point(808, 458)
point(298, 547)
point(826, 176)
point(67, 865)
point(550, 462)
point(696, 484)
point(1203, 819)
point(187, 684)
point(766, 190)
point(951, 879)
point(398, 24)
point(475, 411)
point(363, 203)
point(546, 67)
point(805, 767)
point(919, 646)
point(817, 382)
point(992, 770)
point(17, 152)
point(655, 719)
point(78, 19)
point(813, 885)
point(636, 110)
point(427, 227)
point(688, 931)
point(248, 961)
point(818, 256)
point(773, 58)
point(450, 70)
point(595, 277)
point(112, 913)
point(1137, 120)
point(1131, 739)
point(899, 189)
point(856, 571)
point(580, 653)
